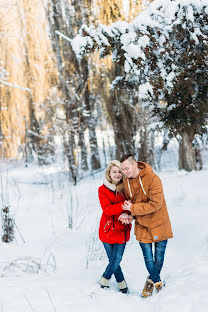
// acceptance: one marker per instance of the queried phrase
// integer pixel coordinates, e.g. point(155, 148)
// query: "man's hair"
point(130, 157)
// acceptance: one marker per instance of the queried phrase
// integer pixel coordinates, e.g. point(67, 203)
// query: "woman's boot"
point(104, 282)
point(123, 287)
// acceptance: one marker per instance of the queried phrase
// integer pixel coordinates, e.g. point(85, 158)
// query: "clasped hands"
point(124, 217)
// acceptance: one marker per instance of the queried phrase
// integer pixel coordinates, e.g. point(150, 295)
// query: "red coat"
point(111, 230)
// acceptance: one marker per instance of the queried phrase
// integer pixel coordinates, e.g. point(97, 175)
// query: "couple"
point(131, 190)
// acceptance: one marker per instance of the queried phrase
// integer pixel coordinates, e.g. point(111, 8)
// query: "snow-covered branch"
point(4, 81)
point(149, 48)
point(104, 38)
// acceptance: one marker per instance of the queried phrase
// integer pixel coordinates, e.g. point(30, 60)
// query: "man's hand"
point(127, 205)
point(124, 218)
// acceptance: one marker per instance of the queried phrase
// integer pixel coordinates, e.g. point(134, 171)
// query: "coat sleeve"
point(156, 197)
point(109, 208)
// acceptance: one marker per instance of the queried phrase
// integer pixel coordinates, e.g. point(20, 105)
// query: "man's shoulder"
point(154, 174)
point(150, 176)
point(154, 179)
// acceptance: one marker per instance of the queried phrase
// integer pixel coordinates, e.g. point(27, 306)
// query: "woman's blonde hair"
point(119, 186)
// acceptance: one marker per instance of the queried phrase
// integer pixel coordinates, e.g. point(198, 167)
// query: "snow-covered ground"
point(49, 267)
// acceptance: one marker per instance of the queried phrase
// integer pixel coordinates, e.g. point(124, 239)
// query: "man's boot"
point(148, 288)
point(104, 282)
point(158, 286)
point(123, 287)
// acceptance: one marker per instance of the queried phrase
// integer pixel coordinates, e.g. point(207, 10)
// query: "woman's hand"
point(124, 218)
point(131, 218)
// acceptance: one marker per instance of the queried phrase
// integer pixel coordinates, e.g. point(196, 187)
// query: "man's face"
point(128, 168)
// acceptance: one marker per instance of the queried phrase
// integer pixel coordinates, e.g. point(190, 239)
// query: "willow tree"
point(26, 54)
point(163, 54)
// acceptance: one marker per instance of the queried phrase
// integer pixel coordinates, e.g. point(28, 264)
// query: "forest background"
point(50, 99)
point(70, 108)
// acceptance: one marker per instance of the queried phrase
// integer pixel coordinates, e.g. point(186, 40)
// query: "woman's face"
point(115, 174)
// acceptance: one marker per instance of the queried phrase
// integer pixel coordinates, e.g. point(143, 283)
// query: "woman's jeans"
point(154, 264)
point(115, 254)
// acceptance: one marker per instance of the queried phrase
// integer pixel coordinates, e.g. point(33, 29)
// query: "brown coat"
point(152, 223)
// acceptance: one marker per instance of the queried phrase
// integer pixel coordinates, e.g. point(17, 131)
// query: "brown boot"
point(158, 286)
point(148, 288)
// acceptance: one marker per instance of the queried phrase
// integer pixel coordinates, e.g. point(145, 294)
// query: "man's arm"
point(155, 194)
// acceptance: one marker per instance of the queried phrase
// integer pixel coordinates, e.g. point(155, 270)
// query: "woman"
point(112, 232)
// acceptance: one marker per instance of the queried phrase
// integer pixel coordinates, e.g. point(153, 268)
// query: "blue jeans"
point(154, 264)
point(115, 254)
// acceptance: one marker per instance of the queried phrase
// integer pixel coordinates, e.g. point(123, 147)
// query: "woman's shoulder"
point(102, 188)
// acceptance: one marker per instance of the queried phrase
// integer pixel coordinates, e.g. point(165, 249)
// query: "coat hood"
point(145, 168)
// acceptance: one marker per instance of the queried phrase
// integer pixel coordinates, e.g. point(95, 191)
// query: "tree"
point(65, 17)
point(117, 102)
point(26, 114)
point(163, 55)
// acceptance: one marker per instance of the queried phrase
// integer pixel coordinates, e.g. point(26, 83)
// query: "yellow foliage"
point(27, 56)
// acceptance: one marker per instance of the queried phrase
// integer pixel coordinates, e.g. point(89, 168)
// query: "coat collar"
point(109, 185)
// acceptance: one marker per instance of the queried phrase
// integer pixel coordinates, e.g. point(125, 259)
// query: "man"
point(147, 204)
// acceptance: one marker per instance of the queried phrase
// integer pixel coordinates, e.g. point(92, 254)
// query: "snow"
point(120, 26)
point(127, 38)
point(126, 8)
point(169, 78)
point(134, 51)
point(127, 66)
point(144, 89)
point(79, 42)
point(58, 269)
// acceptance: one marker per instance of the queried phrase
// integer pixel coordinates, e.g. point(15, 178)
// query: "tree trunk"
point(82, 145)
point(122, 145)
point(70, 148)
point(77, 94)
point(122, 119)
point(68, 71)
point(88, 118)
point(198, 157)
point(95, 159)
point(187, 157)
point(146, 150)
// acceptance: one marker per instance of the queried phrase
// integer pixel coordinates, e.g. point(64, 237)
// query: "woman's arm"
point(109, 208)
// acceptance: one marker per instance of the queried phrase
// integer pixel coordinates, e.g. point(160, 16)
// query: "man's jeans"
point(154, 264)
point(115, 254)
